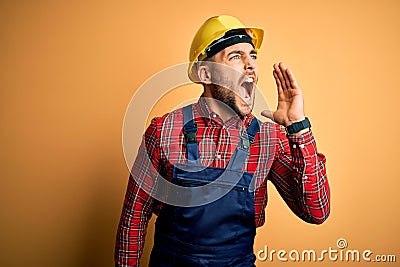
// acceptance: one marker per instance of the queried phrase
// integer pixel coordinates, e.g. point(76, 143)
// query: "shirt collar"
point(204, 111)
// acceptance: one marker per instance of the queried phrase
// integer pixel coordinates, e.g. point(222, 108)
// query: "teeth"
point(249, 80)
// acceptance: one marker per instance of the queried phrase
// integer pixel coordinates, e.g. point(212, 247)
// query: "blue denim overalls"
point(220, 233)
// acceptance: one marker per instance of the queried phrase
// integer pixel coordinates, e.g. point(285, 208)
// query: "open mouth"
point(247, 88)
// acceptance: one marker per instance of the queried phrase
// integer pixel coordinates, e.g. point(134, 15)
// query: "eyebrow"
point(252, 52)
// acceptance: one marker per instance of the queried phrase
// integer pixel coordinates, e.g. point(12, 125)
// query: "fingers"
point(278, 82)
point(292, 79)
point(284, 76)
point(280, 71)
point(283, 69)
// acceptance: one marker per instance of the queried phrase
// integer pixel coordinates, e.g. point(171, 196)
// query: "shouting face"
point(234, 76)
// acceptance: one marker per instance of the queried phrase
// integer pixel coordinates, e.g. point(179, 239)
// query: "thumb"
point(268, 114)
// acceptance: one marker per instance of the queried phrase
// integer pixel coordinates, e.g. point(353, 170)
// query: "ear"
point(204, 74)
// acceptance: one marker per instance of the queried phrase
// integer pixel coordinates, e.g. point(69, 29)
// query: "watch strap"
point(298, 126)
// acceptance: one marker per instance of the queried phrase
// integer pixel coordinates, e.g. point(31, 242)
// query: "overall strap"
point(189, 131)
point(242, 151)
point(253, 129)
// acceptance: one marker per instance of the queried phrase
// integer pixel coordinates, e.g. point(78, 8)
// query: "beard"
point(221, 91)
point(227, 97)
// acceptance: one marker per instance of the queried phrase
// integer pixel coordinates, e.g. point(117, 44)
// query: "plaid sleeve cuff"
point(303, 145)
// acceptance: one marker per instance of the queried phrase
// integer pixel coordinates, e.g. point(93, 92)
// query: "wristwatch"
point(298, 126)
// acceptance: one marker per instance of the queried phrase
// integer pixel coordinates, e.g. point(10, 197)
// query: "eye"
point(253, 56)
point(235, 57)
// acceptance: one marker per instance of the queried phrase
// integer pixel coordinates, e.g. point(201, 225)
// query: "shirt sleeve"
point(138, 204)
point(299, 175)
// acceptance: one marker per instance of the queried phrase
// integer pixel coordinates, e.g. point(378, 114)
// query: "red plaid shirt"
point(291, 163)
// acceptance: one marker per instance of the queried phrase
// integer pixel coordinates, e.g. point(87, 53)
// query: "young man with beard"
point(218, 157)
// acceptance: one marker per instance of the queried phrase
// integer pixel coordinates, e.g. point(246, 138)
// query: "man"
point(218, 158)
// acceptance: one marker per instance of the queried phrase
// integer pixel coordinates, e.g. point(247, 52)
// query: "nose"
point(249, 63)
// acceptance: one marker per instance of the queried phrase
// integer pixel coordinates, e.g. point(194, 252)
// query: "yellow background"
point(70, 68)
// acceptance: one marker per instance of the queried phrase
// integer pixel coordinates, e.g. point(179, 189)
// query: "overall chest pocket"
point(215, 222)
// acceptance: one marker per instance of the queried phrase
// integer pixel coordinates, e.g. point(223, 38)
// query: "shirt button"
point(294, 146)
point(301, 146)
point(214, 115)
point(305, 177)
point(218, 156)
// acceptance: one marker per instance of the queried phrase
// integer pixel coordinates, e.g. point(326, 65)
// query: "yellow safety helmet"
point(213, 29)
